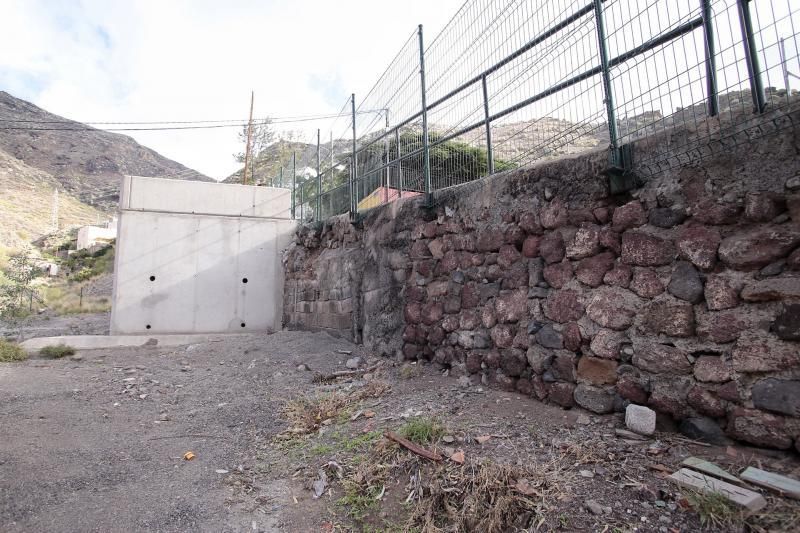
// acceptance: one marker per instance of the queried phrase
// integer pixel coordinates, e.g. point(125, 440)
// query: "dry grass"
point(56, 351)
point(780, 514)
point(714, 509)
point(10, 352)
point(65, 299)
point(306, 415)
point(446, 497)
point(488, 497)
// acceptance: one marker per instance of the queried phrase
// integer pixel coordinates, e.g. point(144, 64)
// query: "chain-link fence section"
point(509, 83)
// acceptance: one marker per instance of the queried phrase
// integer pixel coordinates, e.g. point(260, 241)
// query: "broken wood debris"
point(782, 484)
point(625, 434)
point(690, 479)
point(326, 378)
point(412, 447)
point(706, 467)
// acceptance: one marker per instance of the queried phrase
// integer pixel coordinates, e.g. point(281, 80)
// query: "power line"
point(224, 123)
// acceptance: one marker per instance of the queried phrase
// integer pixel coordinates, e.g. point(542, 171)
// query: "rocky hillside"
point(88, 163)
point(267, 164)
point(26, 204)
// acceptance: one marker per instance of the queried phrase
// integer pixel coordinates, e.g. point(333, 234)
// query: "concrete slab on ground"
point(95, 342)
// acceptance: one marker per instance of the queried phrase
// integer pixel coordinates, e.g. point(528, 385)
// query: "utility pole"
point(54, 215)
point(249, 137)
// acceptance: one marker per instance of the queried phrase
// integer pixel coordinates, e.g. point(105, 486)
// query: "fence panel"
point(509, 83)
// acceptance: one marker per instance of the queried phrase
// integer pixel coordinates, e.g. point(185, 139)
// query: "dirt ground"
point(96, 443)
point(50, 324)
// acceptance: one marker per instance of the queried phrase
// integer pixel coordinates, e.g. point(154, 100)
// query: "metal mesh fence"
point(511, 82)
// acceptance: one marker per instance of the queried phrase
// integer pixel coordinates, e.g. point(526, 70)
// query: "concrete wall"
point(88, 236)
point(683, 295)
point(196, 257)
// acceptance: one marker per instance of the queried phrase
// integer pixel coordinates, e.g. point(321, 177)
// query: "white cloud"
point(96, 60)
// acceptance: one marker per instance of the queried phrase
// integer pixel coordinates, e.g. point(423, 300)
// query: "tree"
point(17, 295)
point(263, 136)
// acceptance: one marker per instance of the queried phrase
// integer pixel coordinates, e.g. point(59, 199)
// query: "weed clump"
point(422, 430)
point(57, 351)
point(10, 352)
point(714, 509)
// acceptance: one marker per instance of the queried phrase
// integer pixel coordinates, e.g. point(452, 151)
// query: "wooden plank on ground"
point(701, 465)
point(785, 485)
point(703, 483)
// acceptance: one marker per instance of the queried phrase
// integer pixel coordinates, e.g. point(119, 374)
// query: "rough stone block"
point(513, 361)
point(558, 274)
point(613, 307)
point(661, 358)
point(591, 270)
point(759, 428)
point(530, 246)
point(720, 294)
point(561, 393)
point(712, 369)
point(646, 283)
point(595, 399)
point(511, 306)
point(759, 351)
point(628, 216)
point(670, 318)
point(705, 402)
point(563, 306)
point(503, 335)
point(723, 326)
point(778, 395)
point(699, 245)
point(529, 222)
point(644, 249)
point(759, 247)
point(666, 217)
point(607, 343)
point(766, 290)
point(709, 211)
point(596, 371)
point(763, 206)
point(619, 276)
point(551, 247)
point(669, 394)
point(554, 215)
point(572, 336)
point(787, 323)
point(640, 419)
point(585, 242)
point(685, 283)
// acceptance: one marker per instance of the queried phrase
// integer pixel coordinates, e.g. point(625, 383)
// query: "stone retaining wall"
point(683, 295)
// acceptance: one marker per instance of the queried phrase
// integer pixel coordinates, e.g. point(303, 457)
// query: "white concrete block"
point(195, 257)
point(640, 419)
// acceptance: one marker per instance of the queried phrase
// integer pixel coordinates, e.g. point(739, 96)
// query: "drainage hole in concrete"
point(152, 278)
point(244, 280)
point(147, 326)
point(243, 324)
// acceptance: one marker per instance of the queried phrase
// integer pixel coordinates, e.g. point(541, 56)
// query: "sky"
point(142, 60)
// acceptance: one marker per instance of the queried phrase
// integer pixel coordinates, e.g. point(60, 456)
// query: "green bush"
point(57, 351)
point(10, 352)
point(85, 266)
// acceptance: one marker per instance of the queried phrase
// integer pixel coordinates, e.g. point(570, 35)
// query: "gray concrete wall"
point(185, 249)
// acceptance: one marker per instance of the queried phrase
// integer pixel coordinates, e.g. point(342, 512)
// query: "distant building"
point(97, 236)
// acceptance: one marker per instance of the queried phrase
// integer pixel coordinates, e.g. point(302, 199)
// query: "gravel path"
point(97, 444)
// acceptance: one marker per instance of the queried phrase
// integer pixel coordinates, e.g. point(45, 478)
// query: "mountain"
point(267, 164)
point(26, 204)
point(87, 162)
